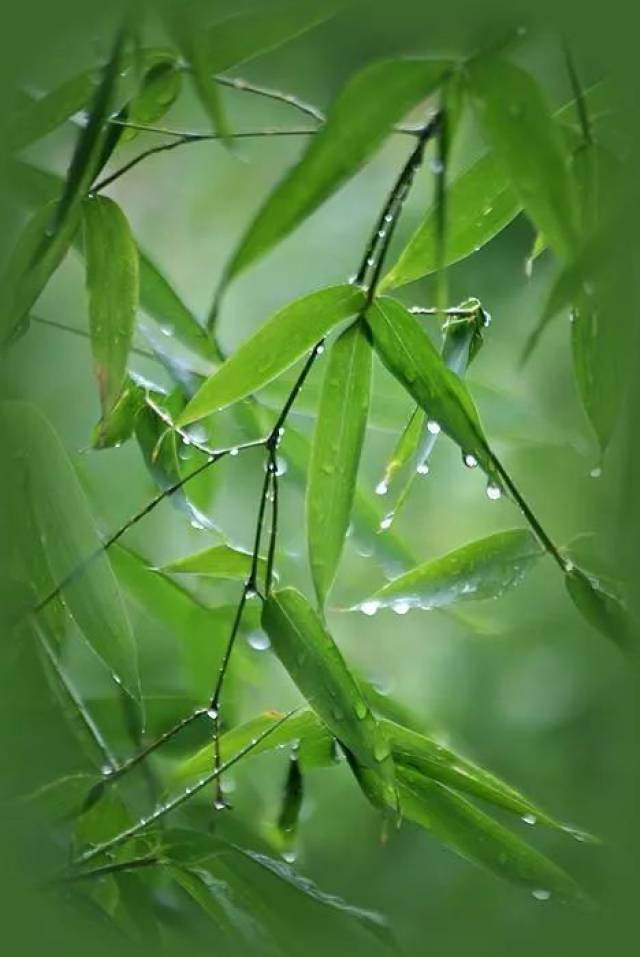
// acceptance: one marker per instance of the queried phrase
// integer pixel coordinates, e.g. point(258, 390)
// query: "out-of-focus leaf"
point(112, 285)
point(58, 233)
point(220, 561)
point(159, 300)
point(335, 453)
point(480, 839)
point(251, 32)
point(316, 665)
point(48, 112)
point(289, 816)
point(418, 752)
point(356, 125)
point(273, 348)
point(527, 141)
point(160, 88)
point(119, 424)
point(65, 796)
point(69, 538)
point(194, 47)
point(407, 352)
point(160, 446)
point(483, 569)
point(599, 603)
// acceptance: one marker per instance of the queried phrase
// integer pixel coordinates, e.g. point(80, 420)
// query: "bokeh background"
point(521, 684)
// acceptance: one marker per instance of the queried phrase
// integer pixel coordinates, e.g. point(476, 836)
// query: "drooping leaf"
point(112, 285)
point(335, 453)
point(527, 142)
point(418, 752)
point(290, 807)
point(480, 839)
point(273, 348)
point(599, 602)
point(408, 354)
point(69, 538)
point(194, 48)
point(119, 423)
point(483, 569)
point(160, 88)
point(46, 113)
point(220, 561)
point(248, 33)
point(316, 665)
point(356, 124)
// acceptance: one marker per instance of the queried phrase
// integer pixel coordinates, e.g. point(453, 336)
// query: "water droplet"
point(596, 472)
point(541, 894)
point(370, 261)
point(289, 856)
point(388, 218)
point(469, 460)
point(382, 233)
point(220, 804)
point(568, 565)
point(166, 330)
point(196, 523)
point(386, 522)
point(437, 166)
point(529, 819)
point(281, 431)
point(319, 350)
point(233, 451)
point(106, 770)
point(281, 466)
point(493, 491)
point(258, 640)
point(401, 607)
point(212, 713)
point(369, 607)
point(382, 488)
point(433, 427)
point(250, 593)
point(423, 469)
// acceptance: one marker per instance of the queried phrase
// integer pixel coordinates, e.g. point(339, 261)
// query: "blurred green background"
point(521, 684)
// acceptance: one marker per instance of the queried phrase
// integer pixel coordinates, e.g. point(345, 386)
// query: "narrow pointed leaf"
point(335, 453)
point(600, 604)
point(220, 561)
point(285, 337)
point(193, 45)
point(317, 667)
point(290, 807)
point(527, 141)
point(119, 424)
point(48, 112)
point(407, 352)
point(112, 284)
point(483, 569)
point(356, 125)
point(69, 538)
point(481, 840)
point(160, 88)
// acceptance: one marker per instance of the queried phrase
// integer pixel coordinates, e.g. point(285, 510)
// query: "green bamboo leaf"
point(220, 561)
point(193, 45)
point(248, 33)
point(482, 569)
point(314, 662)
point(112, 285)
point(119, 423)
point(290, 807)
point(335, 453)
point(600, 603)
point(356, 125)
point(160, 88)
point(420, 753)
point(527, 141)
point(407, 352)
point(46, 113)
point(68, 537)
point(481, 840)
point(276, 345)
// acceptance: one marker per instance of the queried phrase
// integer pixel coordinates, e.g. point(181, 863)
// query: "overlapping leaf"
point(219, 561)
point(335, 453)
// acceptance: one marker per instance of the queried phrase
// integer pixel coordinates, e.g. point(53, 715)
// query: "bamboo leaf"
point(68, 537)
point(317, 667)
point(46, 113)
point(119, 424)
point(481, 840)
point(356, 125)
point(251, 32)
point(527, 141)
point(602, 606)
point(335, 453)
point(160, 88)
point(290, 807)
point(112, 285)
point(273, 348)
point(220, 561)
point(482, 569)
point(408, 354)
point(193, 45)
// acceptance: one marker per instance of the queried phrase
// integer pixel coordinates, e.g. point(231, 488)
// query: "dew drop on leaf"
point(493, 491)
point(369, 607)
